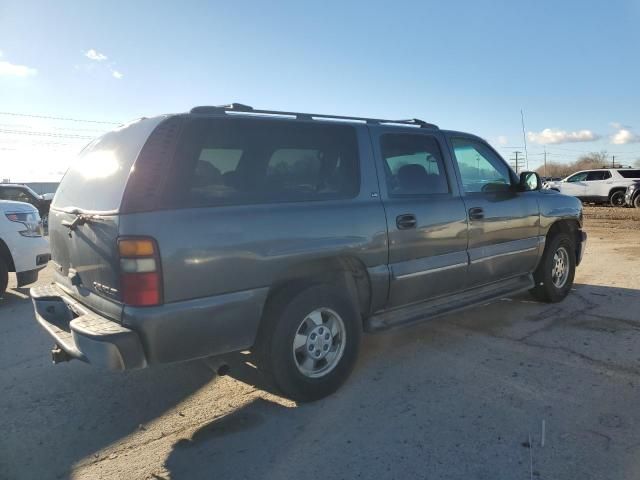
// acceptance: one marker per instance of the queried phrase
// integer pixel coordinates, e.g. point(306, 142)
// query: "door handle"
point(406, 221)
point(476, 213)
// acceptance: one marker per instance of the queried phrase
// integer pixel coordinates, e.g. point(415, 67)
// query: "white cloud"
point(92, 54)
point(551, 136)
point(117, 74)
point(502, 140)
point(13, 70)
point(624, 136)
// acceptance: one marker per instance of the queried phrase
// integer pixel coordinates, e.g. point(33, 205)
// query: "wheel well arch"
point(569, 226)
point(5, 254)
point(346, 271)
point(617, 189)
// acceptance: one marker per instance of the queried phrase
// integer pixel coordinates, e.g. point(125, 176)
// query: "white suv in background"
point(603, 185)
point(23, 248)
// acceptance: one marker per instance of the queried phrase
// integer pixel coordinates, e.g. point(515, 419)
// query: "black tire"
point(545, 289)
point(274, 349)
point(616, 199)
point(636, 201)
point(4, 276)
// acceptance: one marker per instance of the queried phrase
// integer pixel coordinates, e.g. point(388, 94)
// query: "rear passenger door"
point(426, 217)
point(596, 184)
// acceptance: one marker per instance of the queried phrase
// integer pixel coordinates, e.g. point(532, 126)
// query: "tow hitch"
point(58, 355)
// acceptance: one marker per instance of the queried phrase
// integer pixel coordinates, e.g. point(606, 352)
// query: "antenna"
point(524, 138)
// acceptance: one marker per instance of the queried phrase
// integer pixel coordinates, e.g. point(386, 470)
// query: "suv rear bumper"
point(167, 333)
point(85, 335)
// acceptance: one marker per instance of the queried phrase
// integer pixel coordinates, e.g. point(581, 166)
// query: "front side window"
point(413, 165)
point(578, 177)
point(481, 170)
point(249, 161)
point(16, 194)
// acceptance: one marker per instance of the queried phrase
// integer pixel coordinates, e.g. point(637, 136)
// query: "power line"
point(66, 119)
point(45, 134)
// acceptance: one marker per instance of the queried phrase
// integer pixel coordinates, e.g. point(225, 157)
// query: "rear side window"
point(629, 173)
point(597, 175)
point(413, 165)
point(248, 161)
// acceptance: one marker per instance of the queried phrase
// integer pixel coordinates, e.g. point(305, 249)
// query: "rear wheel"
point(309, 341)
point(4, 276)
point(616, 199)
point(557, 268)
point(636, 201)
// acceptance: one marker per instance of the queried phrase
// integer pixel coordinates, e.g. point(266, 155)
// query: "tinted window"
point(596, 175)
point(578, 177)
point(480, 168)
point(16, 194)
point(629, 173)
point(245, 161)
point(413, 165)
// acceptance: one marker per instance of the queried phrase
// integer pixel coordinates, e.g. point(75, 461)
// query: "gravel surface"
point(455, 398)
point(607, 214)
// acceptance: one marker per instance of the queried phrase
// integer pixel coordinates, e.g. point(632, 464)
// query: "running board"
point(419, 312)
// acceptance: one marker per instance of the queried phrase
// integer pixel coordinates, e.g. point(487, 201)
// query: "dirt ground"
point(459, 397)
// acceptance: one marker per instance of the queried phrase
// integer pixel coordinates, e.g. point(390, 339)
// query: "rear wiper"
point(80, 219)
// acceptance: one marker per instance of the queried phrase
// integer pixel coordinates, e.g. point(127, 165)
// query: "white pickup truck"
point(23, 248)
point(603, 185)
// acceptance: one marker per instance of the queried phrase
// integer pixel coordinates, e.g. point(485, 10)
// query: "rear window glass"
point(629, 173)
point(246, 161)
point(97, 177)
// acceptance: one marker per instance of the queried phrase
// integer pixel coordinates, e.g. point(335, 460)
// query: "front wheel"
point(309, 341)
point(557, 268)
point(616, 199)
point(636, 201)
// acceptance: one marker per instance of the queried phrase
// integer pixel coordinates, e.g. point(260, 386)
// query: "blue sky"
point(467, 65)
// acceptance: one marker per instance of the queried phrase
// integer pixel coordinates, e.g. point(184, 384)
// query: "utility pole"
point(613, 161)
point(517, 161)
point(545, 160)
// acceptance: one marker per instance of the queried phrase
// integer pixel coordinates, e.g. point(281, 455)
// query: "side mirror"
point(530, 181)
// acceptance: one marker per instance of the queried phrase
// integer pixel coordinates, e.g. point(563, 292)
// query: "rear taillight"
point(140, 274)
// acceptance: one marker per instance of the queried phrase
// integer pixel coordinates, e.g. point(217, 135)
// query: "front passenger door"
point(503, 222)
point(575, 185)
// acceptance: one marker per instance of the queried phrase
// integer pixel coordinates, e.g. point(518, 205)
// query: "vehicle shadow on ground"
point(53, 417)
point(14, 296)
point(418, 422)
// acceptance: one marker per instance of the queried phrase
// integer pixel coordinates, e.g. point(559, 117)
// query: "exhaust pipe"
point(58, 355)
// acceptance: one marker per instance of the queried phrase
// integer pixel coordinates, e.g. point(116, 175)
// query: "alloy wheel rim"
point(560, 267)
point(318, 344)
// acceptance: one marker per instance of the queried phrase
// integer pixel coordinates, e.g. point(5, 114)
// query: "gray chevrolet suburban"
point(288, 234)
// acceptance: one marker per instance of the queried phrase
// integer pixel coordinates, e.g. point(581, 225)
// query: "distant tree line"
point(584, 162)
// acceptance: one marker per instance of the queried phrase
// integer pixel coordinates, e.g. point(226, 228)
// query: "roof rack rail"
point(241, 108)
